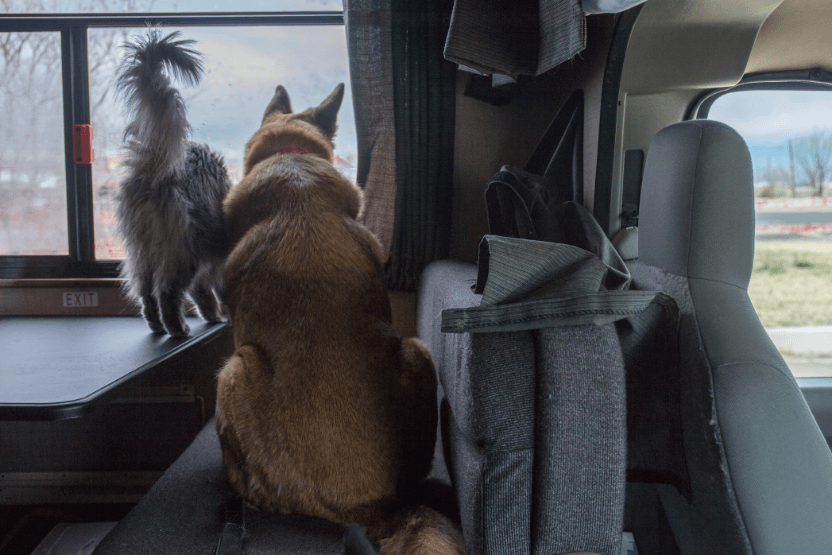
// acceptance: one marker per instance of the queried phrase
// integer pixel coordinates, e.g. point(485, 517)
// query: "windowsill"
point(64, 297)
point(61, 283)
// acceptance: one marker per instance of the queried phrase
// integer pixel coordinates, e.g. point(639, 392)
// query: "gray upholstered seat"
point(186, 510)
point(760, 470)
point(723, 455)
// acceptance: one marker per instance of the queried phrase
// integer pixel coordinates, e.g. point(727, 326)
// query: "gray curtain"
point(369, 43)
point(404, 96)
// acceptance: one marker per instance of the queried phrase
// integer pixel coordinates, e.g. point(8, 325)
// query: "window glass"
point(789, 134)
point(33, 207)
point(243, 65)
point(175, 6)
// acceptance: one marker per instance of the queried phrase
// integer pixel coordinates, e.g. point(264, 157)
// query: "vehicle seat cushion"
point(696, 216)
point(696, 242)
point(185, 512)
point(518, 463)
point(706, 508)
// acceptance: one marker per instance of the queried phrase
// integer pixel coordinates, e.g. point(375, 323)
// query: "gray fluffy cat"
point(170, 202)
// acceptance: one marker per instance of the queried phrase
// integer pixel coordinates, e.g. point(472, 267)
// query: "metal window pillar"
point(77, 111)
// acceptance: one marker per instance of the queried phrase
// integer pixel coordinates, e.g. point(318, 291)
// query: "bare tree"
point(773, 174)
point(31, 158)
point(813, 155)
point(32, 170)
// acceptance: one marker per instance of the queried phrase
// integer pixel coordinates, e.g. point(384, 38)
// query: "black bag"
point(521, 203)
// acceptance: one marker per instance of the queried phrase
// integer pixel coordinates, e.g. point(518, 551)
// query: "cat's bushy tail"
point(156, 137)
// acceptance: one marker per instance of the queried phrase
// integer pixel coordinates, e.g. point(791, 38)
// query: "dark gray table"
point(59, 367)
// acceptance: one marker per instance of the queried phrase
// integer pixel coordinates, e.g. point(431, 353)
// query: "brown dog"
point(323, 409)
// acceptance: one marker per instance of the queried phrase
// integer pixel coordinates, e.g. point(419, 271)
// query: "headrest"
point(696, 217)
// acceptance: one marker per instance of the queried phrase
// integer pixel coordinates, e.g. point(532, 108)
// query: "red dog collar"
point(291, 149)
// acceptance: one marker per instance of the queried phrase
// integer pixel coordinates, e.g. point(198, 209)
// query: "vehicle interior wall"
point(488, 137)
point(677, 50)
point(781, 42)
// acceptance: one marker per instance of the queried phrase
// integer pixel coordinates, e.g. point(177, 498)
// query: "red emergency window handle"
point(82, 144)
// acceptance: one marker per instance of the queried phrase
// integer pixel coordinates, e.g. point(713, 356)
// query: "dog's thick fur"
point(323, 409)
point(170, 202)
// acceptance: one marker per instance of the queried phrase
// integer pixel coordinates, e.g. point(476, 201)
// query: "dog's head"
point(310, 131)
point(323, 117)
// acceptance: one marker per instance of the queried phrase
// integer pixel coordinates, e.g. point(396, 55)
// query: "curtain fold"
point(404, 94)
point(369, 44)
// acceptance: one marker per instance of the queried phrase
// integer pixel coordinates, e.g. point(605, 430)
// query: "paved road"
point(779, 218)
point(809, 367)
point(809, 349)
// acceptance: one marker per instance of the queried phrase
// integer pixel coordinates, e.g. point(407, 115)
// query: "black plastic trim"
point(56, 267)
point(608, 116)
point(78, 176)
point(53, 22)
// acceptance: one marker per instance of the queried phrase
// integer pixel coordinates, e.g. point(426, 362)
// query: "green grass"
point(792, 283)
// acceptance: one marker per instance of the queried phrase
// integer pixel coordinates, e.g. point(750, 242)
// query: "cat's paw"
point(156, 327)
point(217, 319)
point(182, 330)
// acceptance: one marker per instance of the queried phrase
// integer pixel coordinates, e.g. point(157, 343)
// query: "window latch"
point(82, 144)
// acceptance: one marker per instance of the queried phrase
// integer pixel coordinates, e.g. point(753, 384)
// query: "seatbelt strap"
point(631, 193)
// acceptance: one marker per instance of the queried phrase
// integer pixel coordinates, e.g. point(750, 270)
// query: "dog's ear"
point(324, 116)
point(279, 105)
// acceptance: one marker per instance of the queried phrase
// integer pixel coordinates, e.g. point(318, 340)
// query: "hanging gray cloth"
point(370, 44)
point(526, 37)
point(404, 94)
point(555, 439)
point(529, 285)
point(547, 395)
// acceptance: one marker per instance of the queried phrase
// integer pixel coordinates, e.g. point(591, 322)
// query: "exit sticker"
point(80, 300)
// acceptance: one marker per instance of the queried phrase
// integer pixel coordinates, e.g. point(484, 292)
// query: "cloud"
point(774, 116)
point(245, 64)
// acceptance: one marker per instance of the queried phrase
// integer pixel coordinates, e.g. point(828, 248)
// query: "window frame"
point(815, 79)
point(80, 261)
point(812, 80)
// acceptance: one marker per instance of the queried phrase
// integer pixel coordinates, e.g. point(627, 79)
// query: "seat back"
point(760, 470)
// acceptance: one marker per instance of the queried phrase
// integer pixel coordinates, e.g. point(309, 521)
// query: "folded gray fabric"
point(542, 395)
point(529, 285)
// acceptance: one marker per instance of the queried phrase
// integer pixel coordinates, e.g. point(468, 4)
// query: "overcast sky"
point(243, 65)
point(768, 119)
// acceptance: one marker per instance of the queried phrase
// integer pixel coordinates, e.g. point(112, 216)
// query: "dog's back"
point(307, 298)
point(324, 409)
